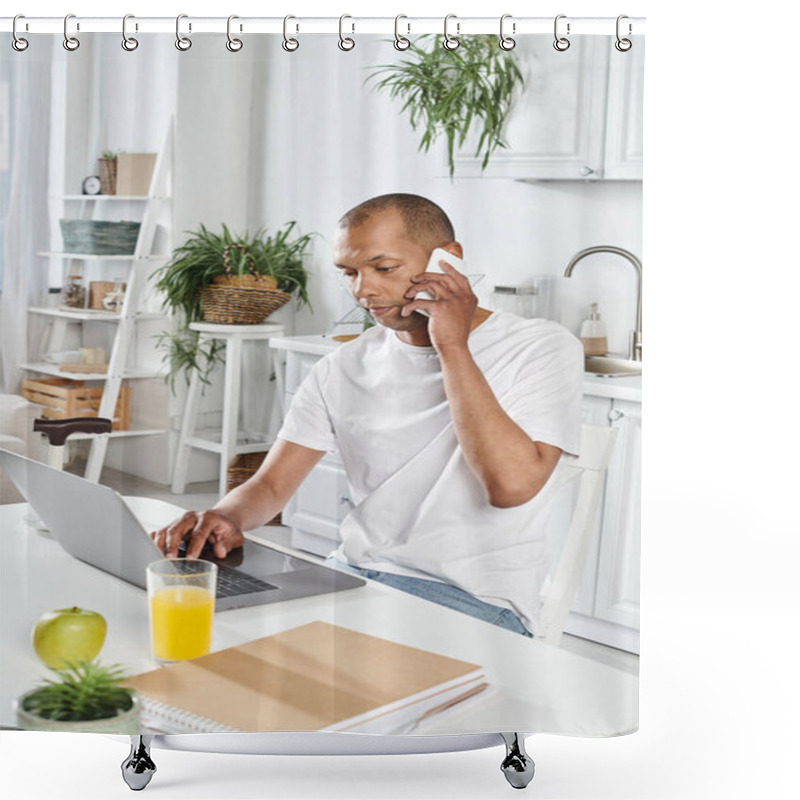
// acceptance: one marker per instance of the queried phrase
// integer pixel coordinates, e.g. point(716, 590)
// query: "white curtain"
point(25, 212)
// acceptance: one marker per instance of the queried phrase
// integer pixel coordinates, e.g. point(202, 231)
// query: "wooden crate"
point(97, 292)
point(62, 398)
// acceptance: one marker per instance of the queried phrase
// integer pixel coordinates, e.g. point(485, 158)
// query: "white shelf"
point(141, 197)
point(120, 434)
point(92, 315)
point(95, 257)
point(151, 212)
point(52, 369)
point(211, 440)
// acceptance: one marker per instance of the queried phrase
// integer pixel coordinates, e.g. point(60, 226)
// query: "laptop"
point(96, 525)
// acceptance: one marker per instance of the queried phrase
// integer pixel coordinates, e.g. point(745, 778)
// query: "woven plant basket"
point(241, 299)
point(242, 468)
point(107, 167)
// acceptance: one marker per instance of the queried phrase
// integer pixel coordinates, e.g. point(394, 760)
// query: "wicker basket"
point(107, 167)
point(241, 299)
point(98, 237)
point(242, 468)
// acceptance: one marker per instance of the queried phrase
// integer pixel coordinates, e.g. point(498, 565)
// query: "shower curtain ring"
point(507, 42)
point(289, 44)
point(18, 43)
point(451, 42)
point(345, 42)
point(183, 43)
point(233, 44)
point(128, 42)
point(401, 42)
point(70, 42)
point(623, 45)
point(561, 43)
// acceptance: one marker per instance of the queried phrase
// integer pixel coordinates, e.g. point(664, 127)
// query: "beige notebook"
point(315, 677)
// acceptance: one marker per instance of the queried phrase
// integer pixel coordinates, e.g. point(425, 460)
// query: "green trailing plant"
point(198, 261)
point(85, 691)
point(447, 92)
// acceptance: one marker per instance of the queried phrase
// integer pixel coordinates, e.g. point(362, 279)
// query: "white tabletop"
point(534, 687)
point(246, 331)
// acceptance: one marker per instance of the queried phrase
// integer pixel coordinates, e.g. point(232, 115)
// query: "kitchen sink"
point(610, 367)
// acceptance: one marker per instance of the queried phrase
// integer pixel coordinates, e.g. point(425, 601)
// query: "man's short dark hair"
point(424, 222)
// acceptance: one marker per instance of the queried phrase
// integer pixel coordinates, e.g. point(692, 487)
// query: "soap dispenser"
point(593, 334)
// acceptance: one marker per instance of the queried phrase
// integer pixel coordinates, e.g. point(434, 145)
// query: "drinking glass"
point(181, 594)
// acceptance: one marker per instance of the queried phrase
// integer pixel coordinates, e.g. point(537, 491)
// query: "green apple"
point(68, 634)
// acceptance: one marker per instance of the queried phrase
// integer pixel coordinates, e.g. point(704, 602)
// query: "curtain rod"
point(350, 25)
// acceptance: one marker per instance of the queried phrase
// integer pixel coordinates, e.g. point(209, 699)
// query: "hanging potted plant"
point(447, 92)
point(86, 697)
point(227, 279)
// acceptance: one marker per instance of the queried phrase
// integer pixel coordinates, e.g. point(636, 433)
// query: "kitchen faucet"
point(635, 339)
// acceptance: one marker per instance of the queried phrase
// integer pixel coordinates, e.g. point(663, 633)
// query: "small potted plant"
point(107, 167)
point(87, 697)
point(227, 279)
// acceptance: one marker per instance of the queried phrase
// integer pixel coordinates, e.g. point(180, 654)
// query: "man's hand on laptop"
point(200, 528)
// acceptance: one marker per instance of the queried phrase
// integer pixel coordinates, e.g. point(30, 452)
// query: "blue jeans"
point(444, 594)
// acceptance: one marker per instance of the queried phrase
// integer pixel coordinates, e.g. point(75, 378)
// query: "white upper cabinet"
point(623, 151)
point(578, 118)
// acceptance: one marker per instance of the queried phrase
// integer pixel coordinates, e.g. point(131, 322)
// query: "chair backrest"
point(597, 444)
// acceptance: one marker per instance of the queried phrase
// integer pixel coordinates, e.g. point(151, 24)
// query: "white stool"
point(227, 447)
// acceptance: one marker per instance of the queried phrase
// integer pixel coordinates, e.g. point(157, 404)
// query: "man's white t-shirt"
point(419, 510)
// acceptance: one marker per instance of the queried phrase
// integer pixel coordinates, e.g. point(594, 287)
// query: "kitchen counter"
point(627, 388)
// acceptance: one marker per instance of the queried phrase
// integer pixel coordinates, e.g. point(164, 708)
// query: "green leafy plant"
point(199, 260)
point(109, 154)
point(446, 92)
point(85, 691)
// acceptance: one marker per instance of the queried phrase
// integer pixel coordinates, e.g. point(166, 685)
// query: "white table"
point(534, 687)
point(234, 336)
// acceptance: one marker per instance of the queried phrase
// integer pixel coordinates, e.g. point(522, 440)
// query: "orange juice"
point(180, 622)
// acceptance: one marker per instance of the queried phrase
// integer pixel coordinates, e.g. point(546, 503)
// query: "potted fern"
point(447, 92)
point(86, 697)
point(227, 279)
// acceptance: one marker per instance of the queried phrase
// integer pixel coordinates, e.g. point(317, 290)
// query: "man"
point(449, 426)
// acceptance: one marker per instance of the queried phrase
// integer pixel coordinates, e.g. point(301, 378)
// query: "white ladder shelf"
point(142, 262)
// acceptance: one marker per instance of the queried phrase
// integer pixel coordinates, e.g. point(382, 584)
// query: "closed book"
point(315, 677)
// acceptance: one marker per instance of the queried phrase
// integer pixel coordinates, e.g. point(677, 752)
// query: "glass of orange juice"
point(181, 593)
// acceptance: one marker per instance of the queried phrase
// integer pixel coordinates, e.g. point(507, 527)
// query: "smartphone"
point(439, 254)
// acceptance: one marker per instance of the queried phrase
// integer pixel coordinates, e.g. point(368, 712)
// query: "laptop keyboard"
point(230, 582)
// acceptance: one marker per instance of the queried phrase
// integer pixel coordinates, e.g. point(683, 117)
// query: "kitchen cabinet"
point(624, 119)
point(606, 606)
point(578, 118)
point(617, 597)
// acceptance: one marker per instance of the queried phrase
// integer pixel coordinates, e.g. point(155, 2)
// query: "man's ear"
point(455, 248)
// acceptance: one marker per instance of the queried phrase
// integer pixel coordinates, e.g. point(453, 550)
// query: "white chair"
point(597, 445)
point(16, 434)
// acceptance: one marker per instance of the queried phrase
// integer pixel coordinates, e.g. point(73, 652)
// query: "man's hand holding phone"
point(445, 295)
point(201, 528)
